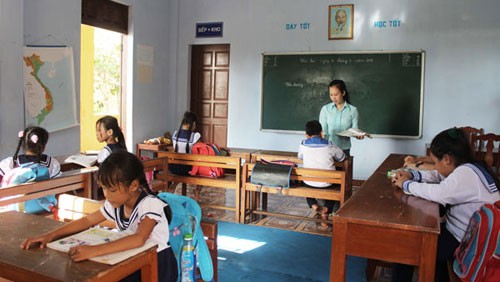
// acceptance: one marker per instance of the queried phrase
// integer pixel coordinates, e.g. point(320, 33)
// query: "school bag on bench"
point(477, 258)
point(208, 149)
point(272, 173)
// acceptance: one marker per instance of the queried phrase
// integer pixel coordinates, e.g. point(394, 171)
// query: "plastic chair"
point(186, 217)
point(488, 149)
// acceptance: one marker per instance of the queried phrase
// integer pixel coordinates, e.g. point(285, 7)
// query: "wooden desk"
point(155, 148)
point(275, 155)
point(67, 181)
point(374, 223)
point(50, 265)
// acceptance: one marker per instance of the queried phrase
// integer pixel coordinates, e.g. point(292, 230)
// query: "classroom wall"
point(11, 38)
point(460, 38)
point(56, 22)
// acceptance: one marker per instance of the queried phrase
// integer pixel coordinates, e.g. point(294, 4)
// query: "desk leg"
point(427, 258)
point(149, 272)
point(338, 256)
point(237, 205)
point(244, 202)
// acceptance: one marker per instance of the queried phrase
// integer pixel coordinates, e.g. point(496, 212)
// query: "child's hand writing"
point(400, 177)
point(43, 240)
point(79, 253)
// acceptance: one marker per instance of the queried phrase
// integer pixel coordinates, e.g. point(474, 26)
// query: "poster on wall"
point(49, 87)
point(340, 21)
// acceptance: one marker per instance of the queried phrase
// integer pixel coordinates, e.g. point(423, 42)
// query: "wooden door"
point(209, 91)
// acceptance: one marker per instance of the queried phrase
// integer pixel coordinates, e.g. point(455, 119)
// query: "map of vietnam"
point(35, 63)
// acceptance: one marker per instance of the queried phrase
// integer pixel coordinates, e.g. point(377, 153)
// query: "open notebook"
point(83, 160)
point(96, 236)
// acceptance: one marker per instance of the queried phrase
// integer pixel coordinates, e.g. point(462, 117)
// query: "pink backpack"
point(201, 148)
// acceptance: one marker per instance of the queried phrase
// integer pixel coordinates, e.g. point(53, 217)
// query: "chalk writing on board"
point(271, 61)
point(410, 60)
point(329, 61)
point(294, 84)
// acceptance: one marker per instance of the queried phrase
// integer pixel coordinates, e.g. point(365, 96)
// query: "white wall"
point(11, 42)
point(460, 38)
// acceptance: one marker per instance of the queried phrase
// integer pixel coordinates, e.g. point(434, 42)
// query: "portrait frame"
point(344, 28)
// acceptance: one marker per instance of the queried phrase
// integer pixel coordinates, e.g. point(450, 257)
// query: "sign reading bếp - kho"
point(209, 29)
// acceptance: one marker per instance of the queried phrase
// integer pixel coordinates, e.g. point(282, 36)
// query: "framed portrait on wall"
point(340, 21)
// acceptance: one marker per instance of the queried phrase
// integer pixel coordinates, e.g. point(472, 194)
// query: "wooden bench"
point(229, 181)
point(67, 181)
point(342, 177)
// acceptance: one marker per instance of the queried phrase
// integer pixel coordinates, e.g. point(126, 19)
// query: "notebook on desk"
point(96, 236)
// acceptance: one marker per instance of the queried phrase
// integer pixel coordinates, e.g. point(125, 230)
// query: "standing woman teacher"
point(338, 116)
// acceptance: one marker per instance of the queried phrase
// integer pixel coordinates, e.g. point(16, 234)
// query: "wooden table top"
point(273, 155)
point(378, 203)
point(40, 264)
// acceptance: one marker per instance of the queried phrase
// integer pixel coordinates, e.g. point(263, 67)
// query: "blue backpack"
point(30, 172)
point(186, 216)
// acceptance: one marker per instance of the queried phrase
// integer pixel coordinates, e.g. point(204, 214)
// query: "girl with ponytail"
point(32, 140)
point(107, 130)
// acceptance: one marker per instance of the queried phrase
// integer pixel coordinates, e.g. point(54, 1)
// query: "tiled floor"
point(282, 204)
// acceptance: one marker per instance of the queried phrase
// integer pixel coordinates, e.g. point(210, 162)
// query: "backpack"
point(272, 173)
point(30, 172)
point(477, 258)
point(208, 149)
point(186, 217)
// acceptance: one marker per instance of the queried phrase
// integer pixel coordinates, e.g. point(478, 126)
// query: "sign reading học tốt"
point(209, 29)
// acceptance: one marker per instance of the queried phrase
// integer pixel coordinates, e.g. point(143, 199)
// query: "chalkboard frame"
point(421, 94)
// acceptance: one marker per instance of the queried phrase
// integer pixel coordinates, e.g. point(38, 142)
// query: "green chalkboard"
point(386, 87)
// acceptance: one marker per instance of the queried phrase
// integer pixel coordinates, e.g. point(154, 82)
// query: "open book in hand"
point(97, 236)
point(83, 160)
point(353, 132)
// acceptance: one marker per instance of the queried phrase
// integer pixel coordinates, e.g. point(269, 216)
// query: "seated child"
point(33, 140)
point(132, 206)
point(107, 130)
point(459, 182)
point(183, 140)
point(317, 152)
